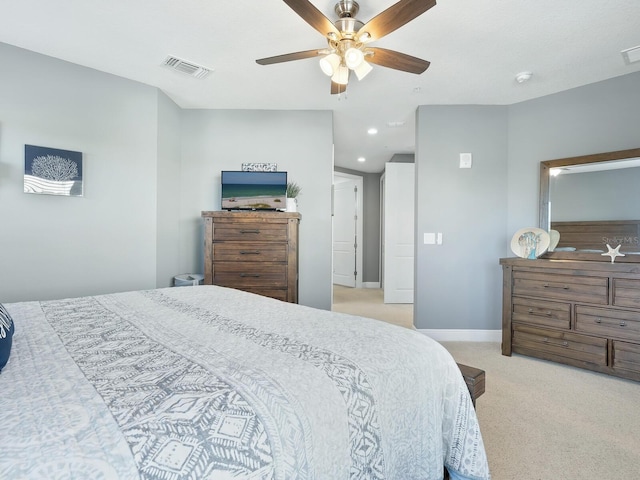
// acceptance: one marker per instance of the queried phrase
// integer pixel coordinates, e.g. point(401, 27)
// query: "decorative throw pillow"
point(6, 336)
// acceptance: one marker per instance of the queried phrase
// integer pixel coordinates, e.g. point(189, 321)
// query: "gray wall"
point(52, 246)
point(168, 194)
point(370, 223)
point(403, 158)
point(600, 117)
point(150, 169)
point(456, 283)
point(300, 142)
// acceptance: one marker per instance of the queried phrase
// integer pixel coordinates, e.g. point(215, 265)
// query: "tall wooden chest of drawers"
point(581, 313)
point(253, 251)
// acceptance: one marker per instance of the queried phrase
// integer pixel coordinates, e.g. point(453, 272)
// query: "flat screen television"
point(254, 190)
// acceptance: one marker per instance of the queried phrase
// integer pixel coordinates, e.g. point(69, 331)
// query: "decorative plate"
point(554, 235)
point(530, 242)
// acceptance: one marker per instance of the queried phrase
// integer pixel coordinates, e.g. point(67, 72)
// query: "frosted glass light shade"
point(330, 64)
point(353, 57)
point(341, 76)
point(362, 70)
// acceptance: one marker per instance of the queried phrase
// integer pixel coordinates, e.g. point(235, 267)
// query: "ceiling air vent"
point(188, 68)
point(631, 55)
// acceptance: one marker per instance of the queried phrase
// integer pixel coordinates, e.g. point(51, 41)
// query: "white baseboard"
point(457, 335)
point(370, 284)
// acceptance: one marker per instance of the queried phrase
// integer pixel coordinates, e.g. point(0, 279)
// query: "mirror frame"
point(544, 216)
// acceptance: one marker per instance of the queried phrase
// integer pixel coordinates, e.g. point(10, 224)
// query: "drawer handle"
point(565, 344)
point(623, 323)
point(249, 252)
point(530, 311)
point(250, 231)
point(548, 314)
point(545, 339)
point(255, 275)
point(565, 287)
point(598, 320)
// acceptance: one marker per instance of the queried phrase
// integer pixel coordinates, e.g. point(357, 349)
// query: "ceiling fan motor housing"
point(347, 24)
point(347, 8)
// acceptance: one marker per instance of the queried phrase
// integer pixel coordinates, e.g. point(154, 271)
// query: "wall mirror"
point(592, 201)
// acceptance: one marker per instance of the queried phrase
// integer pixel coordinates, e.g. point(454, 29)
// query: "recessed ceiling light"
point(372, 131)
point(362, 159)
point(523, 77)
point(395, 124)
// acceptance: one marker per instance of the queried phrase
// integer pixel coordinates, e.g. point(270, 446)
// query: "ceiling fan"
point(348, 38)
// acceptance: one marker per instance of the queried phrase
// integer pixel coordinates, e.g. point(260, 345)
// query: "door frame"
point(359, 181)
point(381, 245)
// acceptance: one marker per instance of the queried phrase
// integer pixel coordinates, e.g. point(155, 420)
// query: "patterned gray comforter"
point(213, 383)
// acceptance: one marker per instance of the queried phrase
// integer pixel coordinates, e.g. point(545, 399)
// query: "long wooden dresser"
point(581, 313)
point(252, 251)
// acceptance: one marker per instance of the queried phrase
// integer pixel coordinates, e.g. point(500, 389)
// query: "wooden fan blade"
point(337, 88)
point(288, 57)
point(394, 17)
point(313, 16)
point(396, 60)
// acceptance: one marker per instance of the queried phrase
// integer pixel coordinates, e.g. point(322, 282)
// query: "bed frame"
point(474, 378)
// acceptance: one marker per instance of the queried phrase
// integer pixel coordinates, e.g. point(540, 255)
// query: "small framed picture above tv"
point(254, 190)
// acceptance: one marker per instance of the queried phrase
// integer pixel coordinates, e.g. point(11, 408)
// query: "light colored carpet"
point(368, 302)
point(545, 421)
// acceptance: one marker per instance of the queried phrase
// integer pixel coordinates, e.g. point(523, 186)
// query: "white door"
point(399, 186)
point(347, 230)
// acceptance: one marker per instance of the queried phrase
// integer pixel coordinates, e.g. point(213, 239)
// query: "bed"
point(207, 382)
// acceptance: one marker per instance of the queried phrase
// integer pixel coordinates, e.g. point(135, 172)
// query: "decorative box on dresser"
point(252, 251)
point(581, 313)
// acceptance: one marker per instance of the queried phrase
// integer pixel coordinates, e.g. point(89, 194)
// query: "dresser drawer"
point(278, 294)
point(249, 232)
point(539, 341)
point(579, 288)
point(626, 292)
point(243, 274)
point(626, 356)
point(541, 312)
point(623, 324)
point(255, 252)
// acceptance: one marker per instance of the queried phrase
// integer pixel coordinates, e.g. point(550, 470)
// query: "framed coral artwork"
point(51, 171)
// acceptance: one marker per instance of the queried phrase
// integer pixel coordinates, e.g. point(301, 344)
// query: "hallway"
point(368, 302)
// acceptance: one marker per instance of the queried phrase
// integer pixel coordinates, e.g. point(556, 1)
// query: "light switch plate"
point(466, 159)
point(429, 238)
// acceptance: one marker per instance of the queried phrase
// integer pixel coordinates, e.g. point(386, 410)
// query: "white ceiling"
point(476, 47)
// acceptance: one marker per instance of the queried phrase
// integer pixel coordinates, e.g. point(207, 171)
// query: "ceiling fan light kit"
point(330, 64)
point(347, 38)
point(341, 77)
point(353, 57)
point(362, 70)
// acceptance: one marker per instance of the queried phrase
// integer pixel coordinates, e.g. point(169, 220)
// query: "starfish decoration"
point(613, 252)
